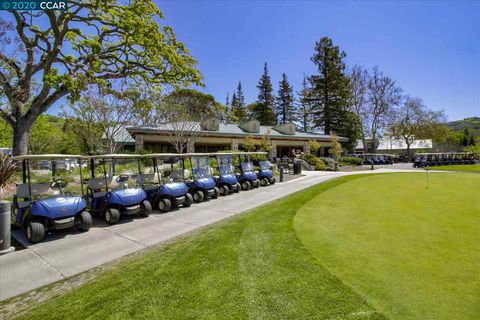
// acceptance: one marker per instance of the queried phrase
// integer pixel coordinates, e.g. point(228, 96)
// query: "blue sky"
point(432, 49)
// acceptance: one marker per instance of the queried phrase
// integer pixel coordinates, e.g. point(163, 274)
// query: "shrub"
point(7, 171)
point(329, 162)
point(353, 161)
point(314, 161)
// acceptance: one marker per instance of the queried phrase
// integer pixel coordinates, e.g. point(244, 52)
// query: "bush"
point(352, 161)
point(7, 171)
point(312, 160)
point(329, 162)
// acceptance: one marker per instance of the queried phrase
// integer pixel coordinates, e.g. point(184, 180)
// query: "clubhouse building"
point(212, 136)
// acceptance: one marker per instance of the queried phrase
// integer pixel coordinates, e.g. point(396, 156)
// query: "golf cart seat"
point(180, 174)
point(37, 189)
point(148, 181)
point(98, 184)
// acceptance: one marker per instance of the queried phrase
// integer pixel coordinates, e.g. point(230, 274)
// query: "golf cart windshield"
point(265, 165)
point(225, 165)
point(171, 169)
point(247, 166)
point(52, 176)
point(201, 167)
point(122, 171)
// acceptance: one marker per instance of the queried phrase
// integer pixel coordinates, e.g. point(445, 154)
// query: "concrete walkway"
point(66, 253)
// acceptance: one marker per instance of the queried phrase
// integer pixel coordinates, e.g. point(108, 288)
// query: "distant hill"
point(472, 123)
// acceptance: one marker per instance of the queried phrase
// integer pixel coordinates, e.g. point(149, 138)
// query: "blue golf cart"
point(200, 182)
point(247, 177)
point(41, 204)
point(113, 193)
point(161, 176)
point(265, 173)
point(225, 178)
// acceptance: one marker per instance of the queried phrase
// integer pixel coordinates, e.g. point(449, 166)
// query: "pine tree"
point(264, 108)
point(466, 137)
point(227, 101)
point(238, 104)
point(285, 102)
point(305, 112)
point(330, 87)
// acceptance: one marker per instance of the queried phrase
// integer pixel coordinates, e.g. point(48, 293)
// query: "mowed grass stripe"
point(412, 251)
point(251, 266)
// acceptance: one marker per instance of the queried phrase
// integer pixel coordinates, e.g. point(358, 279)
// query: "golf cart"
point(225, 179)
point(162, 179)
point(202, 185)
point(40, 202)
point(247, 177)
point(113, 193)
point(265, 173)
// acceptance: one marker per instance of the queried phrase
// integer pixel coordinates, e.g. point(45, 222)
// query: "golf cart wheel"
point(272, 180)
point(198, 196)
point(188, 200)
point(164, 205)
point(145, 208)
point(35, 232)
point(237, 190)
point(216, 193)
point(112, 216)
point(246, 185)
point(264, 182)
point(256, 183)
point(83, 221)
point(224, 190)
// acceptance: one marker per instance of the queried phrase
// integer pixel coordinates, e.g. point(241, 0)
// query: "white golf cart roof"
point(249, 153)
point(161, 155)
point(115, 156)
point(48, 157)
point(444, 153)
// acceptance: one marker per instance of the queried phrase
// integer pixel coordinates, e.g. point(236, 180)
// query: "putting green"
point(412, 252)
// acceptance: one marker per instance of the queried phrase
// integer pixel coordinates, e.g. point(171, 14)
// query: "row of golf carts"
point(56, 196)
point(377, 159)
point(443, 159)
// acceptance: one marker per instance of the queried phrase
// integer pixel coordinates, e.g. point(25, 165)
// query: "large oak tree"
point(48, 55)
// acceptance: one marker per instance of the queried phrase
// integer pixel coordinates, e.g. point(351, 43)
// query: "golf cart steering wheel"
point(58, 184)
point(122, 178)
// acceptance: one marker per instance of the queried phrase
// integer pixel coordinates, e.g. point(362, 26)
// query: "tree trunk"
point(20, 137)
point(408, 152)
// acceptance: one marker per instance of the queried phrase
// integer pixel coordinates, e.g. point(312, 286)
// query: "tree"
point(285, 102)
point(102, 115)
point(49, 55)
point(305, 110)
point(411, 118)
point(184, 112)
point(314, 146)
point(47, 135)
point(336, 148)
point(250, 144)
point(472, 141)
point(264, 109)
point(383, 95)
point(6, 134)
point(358, 99)
point(329, 91)
point(238, 104)
point(352, 130)
point(265, 143)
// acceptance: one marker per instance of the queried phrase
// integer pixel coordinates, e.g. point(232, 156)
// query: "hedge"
point(353, 161)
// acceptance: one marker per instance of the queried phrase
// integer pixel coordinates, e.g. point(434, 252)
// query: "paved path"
point(66, 253)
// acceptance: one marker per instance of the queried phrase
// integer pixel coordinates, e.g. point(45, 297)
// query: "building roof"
point(399, 144)
point(231, 129)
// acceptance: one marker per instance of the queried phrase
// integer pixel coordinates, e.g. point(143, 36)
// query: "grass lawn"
point(461, 167)
point(412, 252)
point(249, 267)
